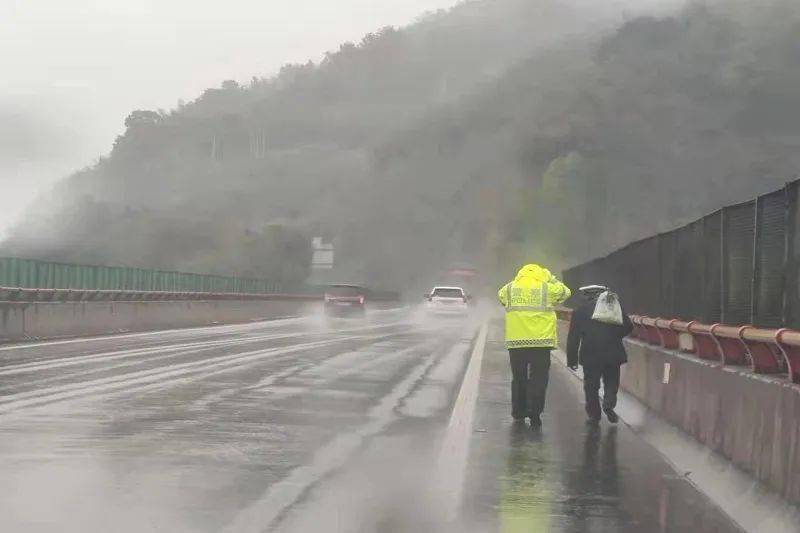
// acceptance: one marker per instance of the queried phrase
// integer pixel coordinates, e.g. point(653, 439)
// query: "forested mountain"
point(499, 131)
point(591, 145)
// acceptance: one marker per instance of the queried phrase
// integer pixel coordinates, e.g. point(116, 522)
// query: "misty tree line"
point(594, 144)
point(495, 133)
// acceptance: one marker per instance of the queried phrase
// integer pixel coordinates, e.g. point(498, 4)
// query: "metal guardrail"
point(18, 294)
point(765, 351)
point(21, 294)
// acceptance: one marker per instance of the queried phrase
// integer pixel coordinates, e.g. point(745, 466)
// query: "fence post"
point(723, 266)
point(789, 284)
point(661, 295)
point(754, 280)
point(701, 251)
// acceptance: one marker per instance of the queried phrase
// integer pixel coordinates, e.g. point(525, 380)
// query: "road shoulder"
point(568, 476)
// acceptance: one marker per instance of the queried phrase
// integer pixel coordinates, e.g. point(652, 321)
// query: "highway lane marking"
point(13, 402)
point(182, 351)
point(188, 379)
point(228, 328)
point(267, 382)
point(153, 379)
point(454, 451)
point(124, 354)
point(119, 354)
point(376, 361)
point(435, 392)
point(204, 402)
point(67, 377)
point(261, 514)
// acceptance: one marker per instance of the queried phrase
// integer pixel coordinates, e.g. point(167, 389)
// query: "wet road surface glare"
point(303, 424)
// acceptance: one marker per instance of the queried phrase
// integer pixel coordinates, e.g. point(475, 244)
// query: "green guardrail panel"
point(35, 274)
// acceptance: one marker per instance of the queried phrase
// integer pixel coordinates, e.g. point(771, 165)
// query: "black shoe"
point(536, 421)
point(611, 415)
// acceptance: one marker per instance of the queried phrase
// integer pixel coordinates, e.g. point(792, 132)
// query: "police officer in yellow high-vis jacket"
point(530, 302)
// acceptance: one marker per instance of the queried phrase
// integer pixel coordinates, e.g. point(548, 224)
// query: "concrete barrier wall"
point(750, 419)
point(48, 320)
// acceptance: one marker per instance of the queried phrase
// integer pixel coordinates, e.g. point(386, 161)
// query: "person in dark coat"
point(598, 347)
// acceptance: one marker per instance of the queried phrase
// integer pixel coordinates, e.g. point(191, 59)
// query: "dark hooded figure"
point(597, 346)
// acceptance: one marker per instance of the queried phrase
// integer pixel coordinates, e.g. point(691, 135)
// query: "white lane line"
point(298, 370)
point(85, 373)
point(434, 393)
point(454, 452)
point(320, 380)
point(260, 515)
point(225, 329)
point(26, 399)
point(163, 377)
point(229, 329)
point(123, 354)
point(119, 354)
point(205, 402)
point(201, 374)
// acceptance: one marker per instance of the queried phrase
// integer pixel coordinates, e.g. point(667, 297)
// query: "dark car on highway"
point(345, 300)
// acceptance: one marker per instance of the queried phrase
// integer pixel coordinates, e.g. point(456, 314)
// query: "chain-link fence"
point(739, 265)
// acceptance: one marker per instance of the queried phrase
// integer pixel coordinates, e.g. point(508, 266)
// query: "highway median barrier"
point(33, 314)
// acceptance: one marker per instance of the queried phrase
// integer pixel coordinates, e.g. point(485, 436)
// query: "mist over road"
point(196, 430)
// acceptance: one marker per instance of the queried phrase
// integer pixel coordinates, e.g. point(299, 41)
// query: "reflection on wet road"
point(207, 429)
point(302, 424)
point(570, 477)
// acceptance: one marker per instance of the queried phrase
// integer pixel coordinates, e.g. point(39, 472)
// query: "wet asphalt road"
point(569, 477)
point(304, 425)
point(215, 429)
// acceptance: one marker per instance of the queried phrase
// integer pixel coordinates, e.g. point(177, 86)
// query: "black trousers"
point(530, 370)
point(592, 375)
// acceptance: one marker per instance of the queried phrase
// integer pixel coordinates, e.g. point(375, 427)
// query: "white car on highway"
point(447, 301)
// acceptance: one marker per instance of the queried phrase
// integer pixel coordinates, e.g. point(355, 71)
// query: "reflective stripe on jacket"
point(530, 302)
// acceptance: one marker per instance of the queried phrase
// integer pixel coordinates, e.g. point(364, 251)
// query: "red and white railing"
point(765, 351)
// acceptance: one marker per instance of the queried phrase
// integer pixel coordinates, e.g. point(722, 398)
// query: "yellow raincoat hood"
point(534, 272)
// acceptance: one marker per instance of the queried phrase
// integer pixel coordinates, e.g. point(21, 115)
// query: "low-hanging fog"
point(72, 71)
point(493, 133)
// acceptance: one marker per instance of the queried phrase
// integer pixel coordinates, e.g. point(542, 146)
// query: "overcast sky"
point(73, 69)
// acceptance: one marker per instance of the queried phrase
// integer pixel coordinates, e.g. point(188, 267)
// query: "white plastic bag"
point(607, 309)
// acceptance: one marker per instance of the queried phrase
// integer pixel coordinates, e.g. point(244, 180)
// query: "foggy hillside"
point(497, 132)
point(592, 145)
point(288, 155)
